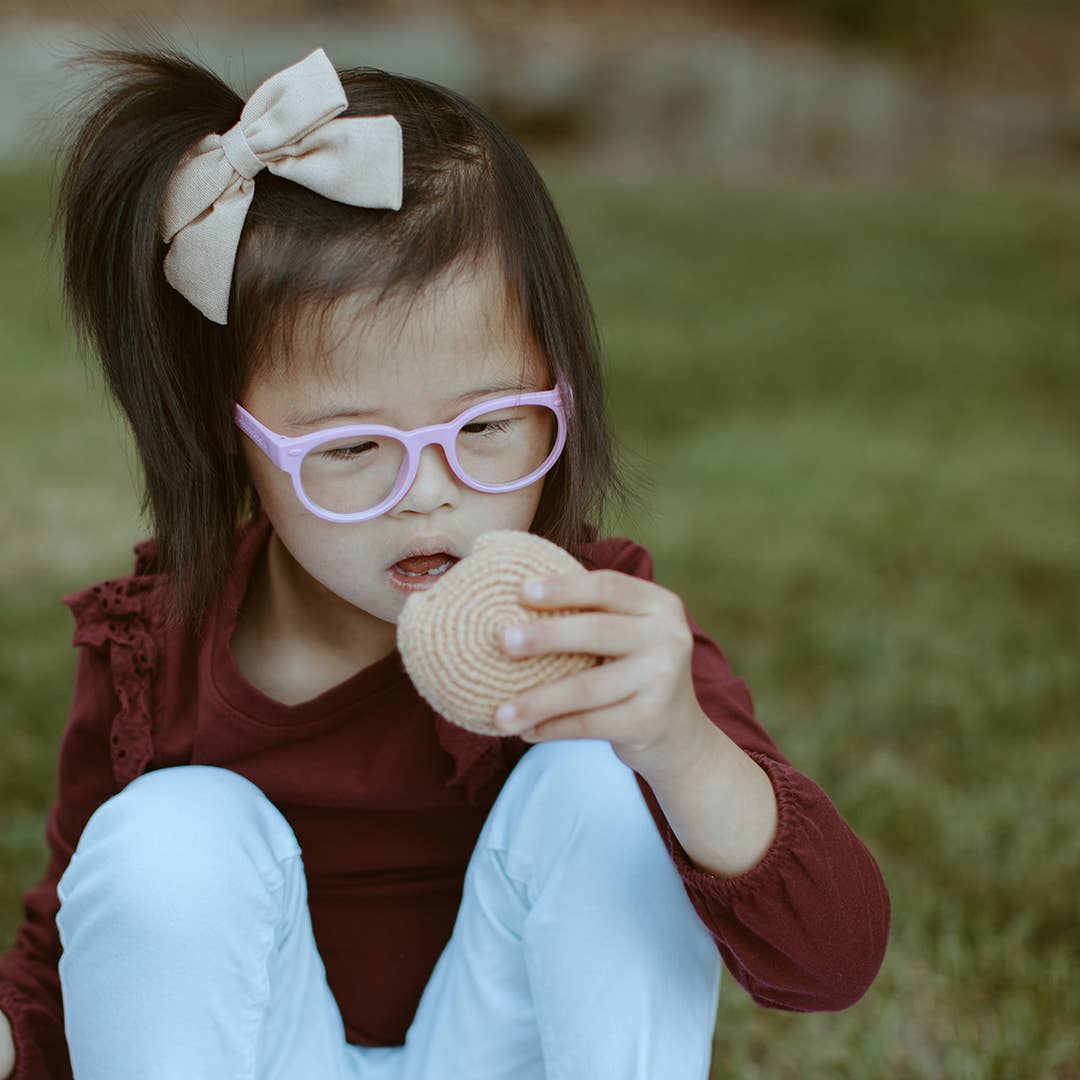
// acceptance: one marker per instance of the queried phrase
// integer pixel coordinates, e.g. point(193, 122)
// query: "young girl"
point(269, 857)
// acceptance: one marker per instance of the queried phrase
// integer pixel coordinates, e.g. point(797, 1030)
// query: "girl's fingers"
point(606, 684)
point(593, 632)
point(604, 723)
point(609, 590)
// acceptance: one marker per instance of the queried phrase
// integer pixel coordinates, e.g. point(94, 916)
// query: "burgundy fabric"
point(387, 799)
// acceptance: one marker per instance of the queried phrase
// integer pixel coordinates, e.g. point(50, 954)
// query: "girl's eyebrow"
point(303, 419)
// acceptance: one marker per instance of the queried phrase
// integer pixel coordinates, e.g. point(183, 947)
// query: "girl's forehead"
point(452, 338)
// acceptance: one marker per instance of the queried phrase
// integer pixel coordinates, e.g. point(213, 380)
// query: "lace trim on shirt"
point(116, 617)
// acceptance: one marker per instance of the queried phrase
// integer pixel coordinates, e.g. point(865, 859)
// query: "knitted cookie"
point(449, 635)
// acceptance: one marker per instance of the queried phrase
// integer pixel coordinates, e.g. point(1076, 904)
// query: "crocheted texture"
point(449, 635)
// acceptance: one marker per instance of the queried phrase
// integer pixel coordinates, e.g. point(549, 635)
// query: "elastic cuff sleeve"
point(766, 873)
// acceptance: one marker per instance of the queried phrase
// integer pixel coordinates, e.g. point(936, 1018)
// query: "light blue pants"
point(576, 953)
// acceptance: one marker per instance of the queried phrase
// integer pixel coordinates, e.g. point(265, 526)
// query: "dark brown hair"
point(469, 190)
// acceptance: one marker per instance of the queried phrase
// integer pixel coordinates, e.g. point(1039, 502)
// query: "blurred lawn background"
point(858, 410)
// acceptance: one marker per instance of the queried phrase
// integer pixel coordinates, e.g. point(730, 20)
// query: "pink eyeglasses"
point(357, 472)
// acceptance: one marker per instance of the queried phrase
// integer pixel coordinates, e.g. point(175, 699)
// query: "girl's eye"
point(494, 427)
point(347, 453)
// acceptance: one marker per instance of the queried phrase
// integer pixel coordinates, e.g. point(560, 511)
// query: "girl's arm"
point(29, 980)
point(793, 899)
point(719, 802)
point(805, 927)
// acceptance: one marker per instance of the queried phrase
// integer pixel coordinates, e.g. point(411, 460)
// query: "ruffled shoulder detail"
point(121, 618)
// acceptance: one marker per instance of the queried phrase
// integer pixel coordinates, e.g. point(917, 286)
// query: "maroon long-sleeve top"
point(387, 799)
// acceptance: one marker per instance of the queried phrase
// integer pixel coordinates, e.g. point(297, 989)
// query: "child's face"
point(456, 339)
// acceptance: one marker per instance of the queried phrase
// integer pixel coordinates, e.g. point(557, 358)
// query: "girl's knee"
point(578, 781)
point(585, 771)
point(570, 760)
point(189, 828)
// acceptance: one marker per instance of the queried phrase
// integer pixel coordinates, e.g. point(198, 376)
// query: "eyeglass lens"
point(348, 476)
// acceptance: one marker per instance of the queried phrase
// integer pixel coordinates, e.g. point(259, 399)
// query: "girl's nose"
point(433, 486)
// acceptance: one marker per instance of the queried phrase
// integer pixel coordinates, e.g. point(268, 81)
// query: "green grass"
point(858, 410)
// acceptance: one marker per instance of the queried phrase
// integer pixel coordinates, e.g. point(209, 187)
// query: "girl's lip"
point(430, 545)
point(411, 585)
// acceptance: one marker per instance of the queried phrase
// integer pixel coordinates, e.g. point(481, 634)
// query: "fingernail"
point(505, 713)
point(534, 590)
point(514, 637)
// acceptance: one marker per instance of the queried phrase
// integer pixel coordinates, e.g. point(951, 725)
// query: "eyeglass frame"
point(288, 452)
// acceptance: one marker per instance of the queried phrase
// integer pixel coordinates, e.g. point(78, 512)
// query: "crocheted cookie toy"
point(449, 635)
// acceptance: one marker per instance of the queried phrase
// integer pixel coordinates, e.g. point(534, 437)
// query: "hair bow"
point(288, 126)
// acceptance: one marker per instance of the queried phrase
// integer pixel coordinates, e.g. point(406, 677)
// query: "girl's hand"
point(641, 698)
point(7, 1048)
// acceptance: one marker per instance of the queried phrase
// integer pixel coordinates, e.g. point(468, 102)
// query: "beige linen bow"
point(288, 127)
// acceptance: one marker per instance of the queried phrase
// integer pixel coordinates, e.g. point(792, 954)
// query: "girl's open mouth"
point(422, 571)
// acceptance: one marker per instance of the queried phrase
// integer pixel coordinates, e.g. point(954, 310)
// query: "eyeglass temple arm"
point(262, 437)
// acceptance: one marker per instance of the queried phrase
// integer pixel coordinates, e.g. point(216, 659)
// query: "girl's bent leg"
point(188, 949)
point(576, 952)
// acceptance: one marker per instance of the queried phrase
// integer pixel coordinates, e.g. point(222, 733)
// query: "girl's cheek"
point(266, 482)
point(278, 498)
